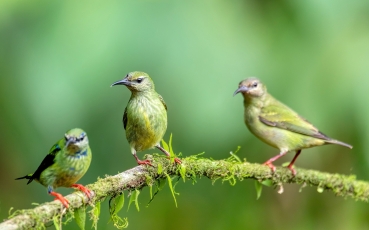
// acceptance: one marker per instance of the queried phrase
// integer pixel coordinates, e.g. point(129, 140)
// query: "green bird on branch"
point(277, 125)
point(68, 160)
point(145, 117)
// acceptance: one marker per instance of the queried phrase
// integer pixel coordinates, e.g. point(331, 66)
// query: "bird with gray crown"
point(277, 125)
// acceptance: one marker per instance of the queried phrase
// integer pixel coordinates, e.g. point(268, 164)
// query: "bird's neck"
point(147, 93)
point(74, 151)
point(258, 102)
point(144, 96)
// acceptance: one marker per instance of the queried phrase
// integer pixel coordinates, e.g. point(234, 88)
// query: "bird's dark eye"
point(139, 80)
point(81, 137)
point(255, 84)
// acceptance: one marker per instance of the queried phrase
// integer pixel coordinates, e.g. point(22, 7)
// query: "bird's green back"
point(275, 113)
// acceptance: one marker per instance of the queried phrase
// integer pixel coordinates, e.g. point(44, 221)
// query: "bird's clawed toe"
point(144, 162)
point(292, 169)
point(82, 189)
point(270, 165)
point(177, 160)
point(61, 198)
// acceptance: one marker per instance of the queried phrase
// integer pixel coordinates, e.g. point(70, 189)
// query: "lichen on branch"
point(191, 168)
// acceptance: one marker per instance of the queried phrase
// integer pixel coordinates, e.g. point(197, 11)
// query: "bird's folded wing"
point(125, 118)
point(284, 118)
point(47, 161)
point(162, 101)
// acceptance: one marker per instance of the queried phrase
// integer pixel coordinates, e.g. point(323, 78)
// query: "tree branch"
point(191, 167)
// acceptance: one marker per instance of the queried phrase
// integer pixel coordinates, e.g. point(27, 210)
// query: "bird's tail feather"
point(339, 143)
point(29, 177)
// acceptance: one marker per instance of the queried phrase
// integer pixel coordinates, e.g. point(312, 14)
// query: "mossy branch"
point(191, 167)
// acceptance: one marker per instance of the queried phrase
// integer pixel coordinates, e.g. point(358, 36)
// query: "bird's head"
point(251, 87)
point(137, 82)
point(76, 140)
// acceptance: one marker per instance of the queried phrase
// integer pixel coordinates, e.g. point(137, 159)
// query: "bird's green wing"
point(47, 161)
point(125, 118)
point(282, 117)
point(162, 101)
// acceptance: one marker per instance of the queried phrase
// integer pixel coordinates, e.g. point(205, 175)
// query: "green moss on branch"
point(192, 167)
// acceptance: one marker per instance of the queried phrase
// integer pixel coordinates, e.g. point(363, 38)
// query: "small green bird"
point(67, 161)
point(145, 117)
point(278, 125)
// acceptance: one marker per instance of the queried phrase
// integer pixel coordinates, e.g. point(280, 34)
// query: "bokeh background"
point(58, 59)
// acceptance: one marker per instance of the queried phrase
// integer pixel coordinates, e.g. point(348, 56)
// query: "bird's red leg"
point(290, 166)
point(140, 162)
point(82, 189)
point(177, 160)
point(61, 198)
point(269, 162)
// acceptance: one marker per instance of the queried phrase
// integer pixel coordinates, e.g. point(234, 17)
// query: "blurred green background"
point(58, 59)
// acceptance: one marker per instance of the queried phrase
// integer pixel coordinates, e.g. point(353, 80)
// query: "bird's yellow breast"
point(146, 122)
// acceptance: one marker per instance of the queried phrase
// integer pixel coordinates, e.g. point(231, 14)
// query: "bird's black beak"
point(71, 140)
point(242, 88)
point(122, 82)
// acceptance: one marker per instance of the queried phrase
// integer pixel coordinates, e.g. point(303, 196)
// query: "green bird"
point(277, 125)
point(67, 161)
point(145, 117)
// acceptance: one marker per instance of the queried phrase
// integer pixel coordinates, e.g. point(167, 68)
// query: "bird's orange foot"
point(144, 162)
point(293, 171)
point(270, 165)
point(61, 198)
point(177, 160)
point(82, 189)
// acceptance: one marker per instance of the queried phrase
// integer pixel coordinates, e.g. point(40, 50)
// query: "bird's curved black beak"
point(70, 141)
point(121, 82)
point(242, 88)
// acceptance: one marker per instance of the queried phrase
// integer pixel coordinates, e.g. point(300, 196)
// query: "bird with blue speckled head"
point(145, 117)
point(68, 160)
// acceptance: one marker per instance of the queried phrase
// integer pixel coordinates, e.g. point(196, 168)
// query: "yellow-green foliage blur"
point(58, 59)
